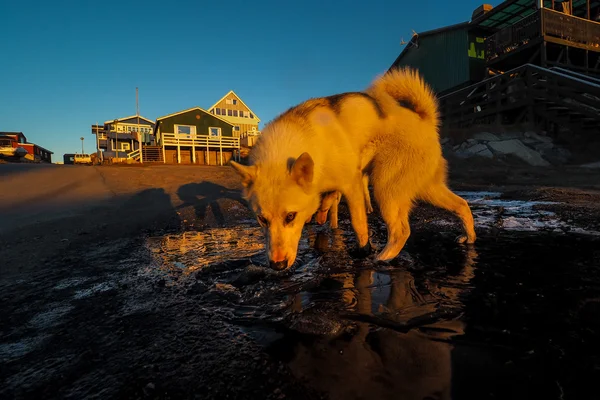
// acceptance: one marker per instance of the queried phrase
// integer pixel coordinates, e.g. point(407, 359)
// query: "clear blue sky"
point(67, 64)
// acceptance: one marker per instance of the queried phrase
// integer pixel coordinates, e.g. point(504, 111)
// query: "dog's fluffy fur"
point(389, 132)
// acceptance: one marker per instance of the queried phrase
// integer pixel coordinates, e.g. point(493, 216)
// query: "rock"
point(543, 146)
point(509, 135)
point(478, 149)
point(591, 165)
point(445, 140)
point(556, 155)
point(518, 149)
point(486, 153)
point(485, 137)
point(537, 137)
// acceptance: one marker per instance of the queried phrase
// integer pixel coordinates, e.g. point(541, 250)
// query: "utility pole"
point(137, 112)
point(82, 151)
point(116, 139)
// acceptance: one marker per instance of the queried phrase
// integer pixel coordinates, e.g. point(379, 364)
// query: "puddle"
point(442, 321)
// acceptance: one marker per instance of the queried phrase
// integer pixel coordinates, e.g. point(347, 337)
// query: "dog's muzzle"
point(278, 265)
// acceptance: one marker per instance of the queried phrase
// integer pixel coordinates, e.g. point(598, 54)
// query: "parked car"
point(82, 159)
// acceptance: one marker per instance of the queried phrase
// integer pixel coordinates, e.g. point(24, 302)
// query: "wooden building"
point(245, 122)
point(533, 63)
point(195, 136)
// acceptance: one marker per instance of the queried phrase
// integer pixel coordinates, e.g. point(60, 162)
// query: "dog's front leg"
point(358, 215)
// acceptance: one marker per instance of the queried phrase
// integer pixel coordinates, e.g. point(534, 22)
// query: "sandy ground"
point(60, 225)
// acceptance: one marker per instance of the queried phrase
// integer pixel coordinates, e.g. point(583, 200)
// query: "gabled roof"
point(413, 40)
point(125, 118)
point(192, 109)
point(241, 101)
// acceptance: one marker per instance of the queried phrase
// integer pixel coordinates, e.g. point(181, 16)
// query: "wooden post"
point(164, 155)
point(178, 152)
point(207, 150)
point(221, 149)
point(588, 10)
point(193, 152)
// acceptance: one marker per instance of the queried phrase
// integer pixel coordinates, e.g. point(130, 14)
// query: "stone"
point(445, 140)
point(518, 149)
point(537, 137)
point(543, 146)
point(476, 149)
point(485, 137)
point(556, 155)
point(591, 165)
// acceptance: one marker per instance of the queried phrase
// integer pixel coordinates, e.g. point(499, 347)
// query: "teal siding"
point(441, 58)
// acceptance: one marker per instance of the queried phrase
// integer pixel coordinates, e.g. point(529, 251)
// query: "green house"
point(195, 136)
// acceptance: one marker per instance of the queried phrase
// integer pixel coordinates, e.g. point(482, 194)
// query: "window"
point(185, 130)
point(125, 146)
point(212, 111)
point(246, 114)
point(235, 113)
point(237, 128)
point(251, 115)
point(218, 111)
point(228, 101)
point(223, 111)
point(234, 101)
point(214, 131)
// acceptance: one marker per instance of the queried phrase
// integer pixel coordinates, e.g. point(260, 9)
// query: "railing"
point(133, 155)
point(516, 35)
point(573, 29)
point(519, 89)
point(546, 23)
point(225, 142)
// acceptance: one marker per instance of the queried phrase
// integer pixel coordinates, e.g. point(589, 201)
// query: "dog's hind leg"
point(367, 195)
point(439, 195)
point(394, 212)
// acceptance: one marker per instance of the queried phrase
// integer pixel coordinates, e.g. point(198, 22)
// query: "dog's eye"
point(262, 220)
point(290, 217)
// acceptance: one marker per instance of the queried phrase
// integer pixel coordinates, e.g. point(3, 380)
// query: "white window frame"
point(125, 146)
point(228, 101)
point(210, 132)
point(192, 133)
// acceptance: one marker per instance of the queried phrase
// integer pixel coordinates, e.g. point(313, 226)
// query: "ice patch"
point(515, 215)
point(97, 288)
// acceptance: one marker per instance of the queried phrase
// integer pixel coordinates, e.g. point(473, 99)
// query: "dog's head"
point(283, 198)
point(327, 201)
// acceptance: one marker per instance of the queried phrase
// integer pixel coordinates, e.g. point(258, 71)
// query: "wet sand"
point(147, 282)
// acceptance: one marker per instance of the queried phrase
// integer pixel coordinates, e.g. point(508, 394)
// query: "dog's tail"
point(407, 89)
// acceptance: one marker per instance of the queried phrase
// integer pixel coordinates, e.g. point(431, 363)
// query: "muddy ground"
point(147, 282)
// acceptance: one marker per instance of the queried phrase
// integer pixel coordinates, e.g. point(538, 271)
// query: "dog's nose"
point(278, 265)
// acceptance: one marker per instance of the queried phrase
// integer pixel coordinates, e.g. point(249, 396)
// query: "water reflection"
point(395, 344)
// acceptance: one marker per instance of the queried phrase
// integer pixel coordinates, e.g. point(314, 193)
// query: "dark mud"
point(195, 315)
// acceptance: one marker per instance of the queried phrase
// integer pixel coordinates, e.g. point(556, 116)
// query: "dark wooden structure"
point(559, 34)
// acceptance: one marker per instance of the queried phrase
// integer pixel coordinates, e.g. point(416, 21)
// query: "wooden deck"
point(191, 144)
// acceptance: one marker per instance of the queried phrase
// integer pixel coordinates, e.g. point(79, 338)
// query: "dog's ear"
point(248, 173)
point(303, 170)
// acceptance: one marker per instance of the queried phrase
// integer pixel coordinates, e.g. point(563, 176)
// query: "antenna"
point(402, 42)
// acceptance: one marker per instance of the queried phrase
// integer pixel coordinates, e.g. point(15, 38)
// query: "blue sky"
point(67, 64)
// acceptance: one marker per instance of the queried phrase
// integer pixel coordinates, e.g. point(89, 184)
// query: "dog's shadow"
point(205, 194)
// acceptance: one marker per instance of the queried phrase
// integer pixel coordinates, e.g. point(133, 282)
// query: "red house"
point(15, 145)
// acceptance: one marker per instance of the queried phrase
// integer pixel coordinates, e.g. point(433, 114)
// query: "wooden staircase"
point(152, 154)
point(551, 99)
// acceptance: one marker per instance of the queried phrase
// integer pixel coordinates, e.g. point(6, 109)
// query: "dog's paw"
point(362, 252)
point(464, 239)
